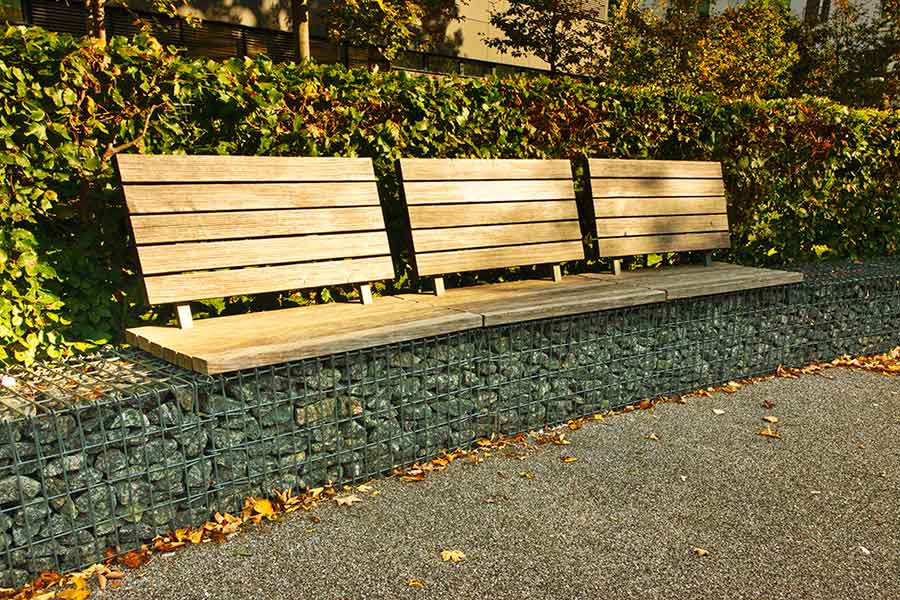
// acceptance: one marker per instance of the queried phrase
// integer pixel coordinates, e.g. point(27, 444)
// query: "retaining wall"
point(110, 450)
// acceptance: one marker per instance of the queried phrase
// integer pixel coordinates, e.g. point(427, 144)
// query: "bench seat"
point(259, 339)
point(690, 281)
point(516, 301)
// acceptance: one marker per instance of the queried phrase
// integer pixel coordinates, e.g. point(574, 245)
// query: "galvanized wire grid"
point(121, 446)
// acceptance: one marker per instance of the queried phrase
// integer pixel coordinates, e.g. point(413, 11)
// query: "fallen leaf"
point(133, 559)
point(731, 387)
point(768, 404)
point(770, 419)
point(452, 556)
point(364, 488)
point(347, 500)
point(526, 474)
point(684, 477)
point(645, 404)
point(700, 551)
point(263, 506)
point(718, 411)
point(196, 536)
point(769, 433)
point(865, 550)
point(652, 437)
point(568, 459)
point(415, 583)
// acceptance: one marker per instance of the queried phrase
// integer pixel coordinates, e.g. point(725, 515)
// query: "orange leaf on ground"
point(769, 433)
point(568, 459)
point(700, 551)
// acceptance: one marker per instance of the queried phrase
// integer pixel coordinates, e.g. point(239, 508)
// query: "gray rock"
point(99, 502)
point(67, 464)
point(131, 418)
point(15, 488)
point(192, 443)
point(111, 460)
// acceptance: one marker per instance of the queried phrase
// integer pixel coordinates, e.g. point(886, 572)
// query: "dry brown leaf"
point(731, 387)
point(700, 551)
point(769, 433)
point(364, 488)
point(415, 583)
point(568, 459)
point(768, 404)
point(452, 556)
point(347, 500)
point(770, 419)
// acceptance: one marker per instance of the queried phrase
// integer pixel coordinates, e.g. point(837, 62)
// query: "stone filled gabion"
point(117, 470)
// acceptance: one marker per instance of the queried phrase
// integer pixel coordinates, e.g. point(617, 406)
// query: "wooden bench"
point(662, 206)
point(219, 226)
point(475, 214)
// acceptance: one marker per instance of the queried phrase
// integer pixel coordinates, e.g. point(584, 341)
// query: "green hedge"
point(806, 178)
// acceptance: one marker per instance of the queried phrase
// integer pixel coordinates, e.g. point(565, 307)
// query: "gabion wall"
point(114, 449)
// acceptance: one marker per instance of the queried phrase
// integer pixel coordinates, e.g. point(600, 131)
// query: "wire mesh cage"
point(110, 449)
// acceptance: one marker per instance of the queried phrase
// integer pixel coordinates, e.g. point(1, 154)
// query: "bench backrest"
point(473, 214)
point(650, 206)
point(217, 226)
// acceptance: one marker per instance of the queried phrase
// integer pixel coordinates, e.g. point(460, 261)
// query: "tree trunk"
point(811, 12)
point(825, 12)
point(300, 23)
point(95, 19)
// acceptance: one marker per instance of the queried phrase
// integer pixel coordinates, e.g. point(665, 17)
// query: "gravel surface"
point(815, 514)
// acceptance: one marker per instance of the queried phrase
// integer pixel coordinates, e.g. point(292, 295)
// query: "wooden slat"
point(260, 339)
point(436, 263)
point(466, 192)
point(146, 168)
point(519, 301)
point(616, 167)
point(156, 229)
point(637, 188)
point(628, 226)
point(501, 212)
point(459, 169)
point(193, 197)
point(169, 258)
point(645, 207)
point(455, 238)
point(627, 246)
point(218, 284)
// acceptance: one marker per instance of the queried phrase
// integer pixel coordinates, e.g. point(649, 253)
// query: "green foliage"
point(805, 177)
point(562, 33)
point(744, 51)
point(847, 56)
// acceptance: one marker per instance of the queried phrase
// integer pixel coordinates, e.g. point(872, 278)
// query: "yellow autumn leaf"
point(452, 556)
point(769, 433)
point(196, 536)
point(568, 459)
point(415, 583)
point(700, 551)
point(770, 419)
point(264, 507)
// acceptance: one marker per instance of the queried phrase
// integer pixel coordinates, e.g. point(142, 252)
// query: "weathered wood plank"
point(629, 226)
point(617, 167)
point(648, 207)
point(459, 169)
point(456, 238)
point(663, 243)
point(519, 301)
point(500, 212)
point(437, 263)
point(194, 197)
point(218, 284)
point(170, 258)
point(646, 188)
point(255, 340)
point(470, 192)
point(192, 227)
point(147, 168)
